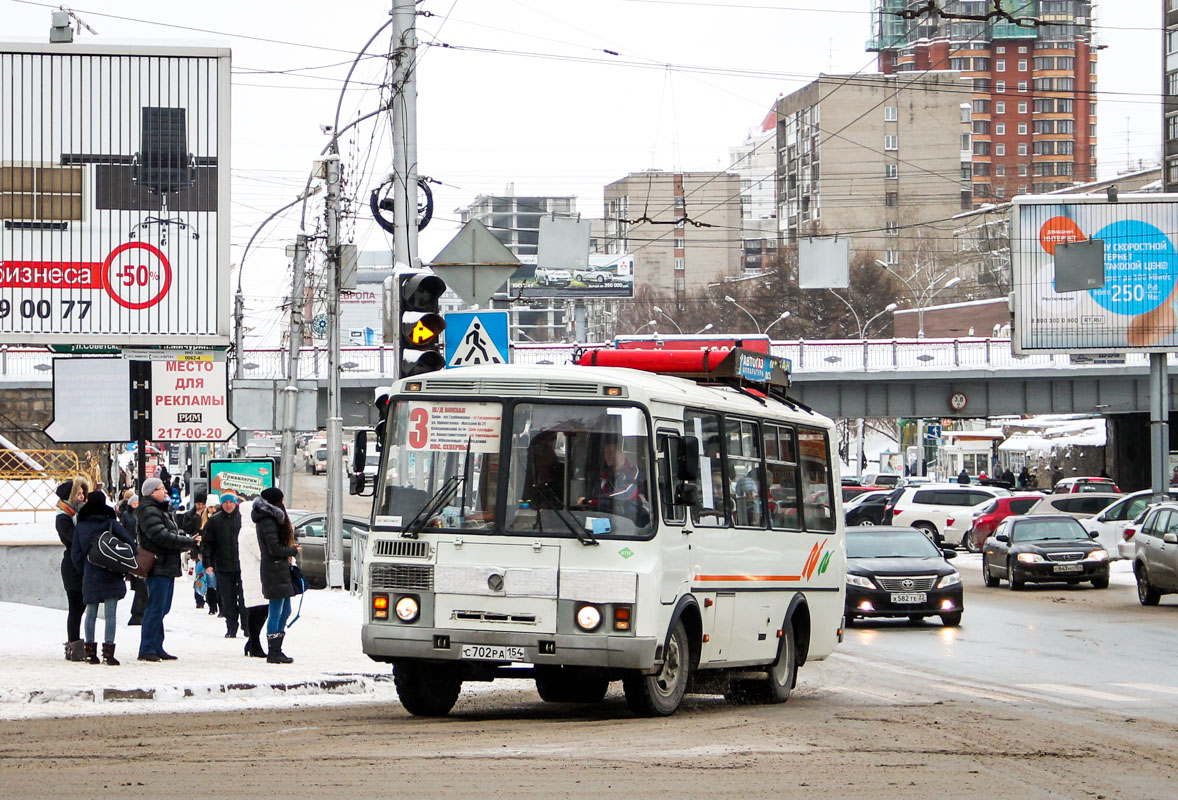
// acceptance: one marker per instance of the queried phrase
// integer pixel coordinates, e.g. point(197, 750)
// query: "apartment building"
point(874, 157)
point(755, 162)
point(1031, 84)
point(1170, 94)
point(683, 229)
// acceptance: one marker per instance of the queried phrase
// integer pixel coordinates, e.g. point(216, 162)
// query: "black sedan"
point(1043, 548)
point(899, 572)
point(310, 528)
point(867, 508)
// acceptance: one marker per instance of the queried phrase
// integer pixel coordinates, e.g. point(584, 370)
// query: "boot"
point(91, 650)
point(276, 655)
point(108, 654)
point(74, 651)
point(254, 649)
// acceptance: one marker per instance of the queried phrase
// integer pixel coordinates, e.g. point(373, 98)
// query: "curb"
point(338, 685)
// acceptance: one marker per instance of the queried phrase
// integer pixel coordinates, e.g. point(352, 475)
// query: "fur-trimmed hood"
point(263, 508)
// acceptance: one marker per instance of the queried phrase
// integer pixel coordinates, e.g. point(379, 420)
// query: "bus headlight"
point(588, 618)
point(407, 608)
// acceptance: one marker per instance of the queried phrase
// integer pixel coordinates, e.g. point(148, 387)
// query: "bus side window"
point(744, 471)
point(782, 478)
point(669, 457)
point(818, 505)
point(705, 427)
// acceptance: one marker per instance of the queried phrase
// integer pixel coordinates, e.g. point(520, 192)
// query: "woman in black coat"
point(70, 497)
point(127, 510)
point(99, 585)
point(276, 540)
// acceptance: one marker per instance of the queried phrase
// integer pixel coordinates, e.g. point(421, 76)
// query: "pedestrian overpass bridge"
point(887, 378)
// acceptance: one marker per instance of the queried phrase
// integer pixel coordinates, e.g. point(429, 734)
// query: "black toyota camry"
point(1043, 548)
point(900, 572)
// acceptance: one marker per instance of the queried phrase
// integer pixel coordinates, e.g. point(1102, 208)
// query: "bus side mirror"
point(359, 452)
point(356, 483)
point(687, 494)
point(689, 459)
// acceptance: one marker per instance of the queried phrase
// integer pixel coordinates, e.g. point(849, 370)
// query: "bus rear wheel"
point(659, 695)
point(427, 689)
point(570, 685)
point(777, 685)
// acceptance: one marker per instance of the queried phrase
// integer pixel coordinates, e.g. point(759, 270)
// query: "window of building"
point(891, 142)
point(1000, 107)
point(679, 263)
point(891, 199)
point(1000, 65)
point(1022, 129)
point(999, 170)
point(890, 114)
point(1001, 49)
point(1023, 49)
point(965, 142)
point(1022, 172)
point(1022, 188)
point(678, 243)
point(981, 148)
point(981, 127)
point(41, 193)
point(1022, 148)
point(891, 170)
point(1000, 129)
point(1000, 191)
point(1022, 65)
point(891, 257)
point(1000, 149)
point(966, 113)
point(1000, 86)
point(982, 107)
point(679, 202)
point(892, 228)
point(966, 172)
point(1022, 107)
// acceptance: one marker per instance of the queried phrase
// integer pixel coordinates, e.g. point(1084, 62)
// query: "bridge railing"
point(808, 357)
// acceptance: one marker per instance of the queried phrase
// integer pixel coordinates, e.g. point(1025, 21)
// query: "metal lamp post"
point(784, 316)
point(922, 296)
point(730, 299)
point(658, 310)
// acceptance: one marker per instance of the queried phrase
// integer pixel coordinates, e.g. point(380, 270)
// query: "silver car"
point(1155, 556)
point(310, 532)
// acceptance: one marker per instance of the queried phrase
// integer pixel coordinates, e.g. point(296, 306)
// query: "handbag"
point(297, 579)
point(145, 560)
point(112, 553)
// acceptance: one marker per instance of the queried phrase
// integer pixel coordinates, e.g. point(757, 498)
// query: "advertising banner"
point(189, 400)
point(605, 276)
point(1133, 311)
point(114, 195)
point(247, 477)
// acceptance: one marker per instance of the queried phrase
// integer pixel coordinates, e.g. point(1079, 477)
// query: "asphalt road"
point(1048, 693)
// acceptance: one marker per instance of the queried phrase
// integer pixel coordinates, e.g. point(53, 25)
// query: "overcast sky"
point(558, 97)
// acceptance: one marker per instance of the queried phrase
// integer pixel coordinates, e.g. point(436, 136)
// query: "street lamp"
point(707, 327)
point(889, 307)
point(646, 325)
point(924, 295)
point(784, 316)
point(730, 299)
point(658, 310)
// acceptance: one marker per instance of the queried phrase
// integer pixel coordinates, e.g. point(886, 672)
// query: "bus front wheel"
point(427, 689)
point(659, 695)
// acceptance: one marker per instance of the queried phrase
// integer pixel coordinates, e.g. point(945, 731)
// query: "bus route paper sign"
point(454, 426)
point(1135, 307)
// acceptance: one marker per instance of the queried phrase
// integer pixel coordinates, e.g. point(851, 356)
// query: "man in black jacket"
point(219, 553)
point(159, 534)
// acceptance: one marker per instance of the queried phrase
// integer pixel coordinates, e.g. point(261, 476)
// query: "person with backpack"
point(159, 534)
point(276, 541)
point(99, 585)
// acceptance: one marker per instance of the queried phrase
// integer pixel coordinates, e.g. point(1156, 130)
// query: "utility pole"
point(405, 134)
point(290, 393)
point(335, 430)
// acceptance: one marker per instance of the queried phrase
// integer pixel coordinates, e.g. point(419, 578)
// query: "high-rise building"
point(874, 158)
point(681, 227)
point(1170, 94)
point(755, 162)
point(1033, 76)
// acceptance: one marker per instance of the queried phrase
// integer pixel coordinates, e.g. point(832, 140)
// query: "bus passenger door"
point(674, 533)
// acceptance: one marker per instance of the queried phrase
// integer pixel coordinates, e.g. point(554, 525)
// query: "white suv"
point(943, 511)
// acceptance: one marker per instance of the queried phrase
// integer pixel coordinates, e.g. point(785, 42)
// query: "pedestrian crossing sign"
point(475, 338)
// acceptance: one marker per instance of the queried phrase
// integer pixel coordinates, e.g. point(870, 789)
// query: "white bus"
point(578, 525)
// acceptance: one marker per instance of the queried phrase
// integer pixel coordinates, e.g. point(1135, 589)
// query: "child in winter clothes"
point(99, 585)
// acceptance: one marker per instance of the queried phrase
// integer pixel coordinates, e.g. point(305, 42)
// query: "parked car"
point(881, 478)
point(850, 492)
point(1110, 524)
point(866, 509)
point(987, 517)
point(900, 572)
point(1043, 548)
point(1080, 506)
point(310, 532)
point(1155, 554)
point(1086, 484)
point(943, 511)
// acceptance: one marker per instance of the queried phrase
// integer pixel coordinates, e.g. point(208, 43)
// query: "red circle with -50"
point(136, 275)
point(418, 428)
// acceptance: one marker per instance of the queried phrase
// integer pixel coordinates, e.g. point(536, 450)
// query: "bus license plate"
point(909, 597)
point(482, 652)
point(1068, 568)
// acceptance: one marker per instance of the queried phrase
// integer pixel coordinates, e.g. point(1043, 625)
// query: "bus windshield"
point(579, 466)
point(442, 453)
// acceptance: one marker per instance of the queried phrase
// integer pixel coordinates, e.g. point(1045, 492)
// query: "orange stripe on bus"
point(748, 577)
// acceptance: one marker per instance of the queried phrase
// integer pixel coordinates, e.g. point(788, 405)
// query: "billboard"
point(604, 276)
point(1133, 310)
point(114, 195)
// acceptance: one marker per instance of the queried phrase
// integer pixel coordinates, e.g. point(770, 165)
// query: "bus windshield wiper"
point(563, 515)
point(436, 501)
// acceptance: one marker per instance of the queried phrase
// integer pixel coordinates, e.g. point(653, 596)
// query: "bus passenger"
point(544, 475)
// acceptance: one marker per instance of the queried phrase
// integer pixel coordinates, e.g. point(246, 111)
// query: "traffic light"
point(421, 324)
